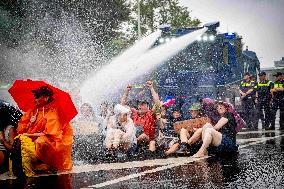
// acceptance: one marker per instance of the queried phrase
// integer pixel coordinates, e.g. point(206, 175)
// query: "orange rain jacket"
point(54, 148)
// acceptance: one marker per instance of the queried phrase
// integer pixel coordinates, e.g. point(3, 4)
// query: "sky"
point(259, 22)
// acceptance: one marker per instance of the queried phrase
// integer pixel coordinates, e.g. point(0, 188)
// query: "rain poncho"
point(54, 147)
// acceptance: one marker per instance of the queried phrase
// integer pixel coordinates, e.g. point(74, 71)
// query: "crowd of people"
point(132, 127)
point(42, 141)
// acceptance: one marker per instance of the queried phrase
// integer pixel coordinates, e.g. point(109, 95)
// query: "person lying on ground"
point(144, 118)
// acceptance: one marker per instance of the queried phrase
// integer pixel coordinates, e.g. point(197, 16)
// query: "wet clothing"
point(6, 137)
point(169, 127)
point(246, 86)
point(277, 103)
point(228, 142)
point(263, 102)
point(248, 105)
point(168, 137)
point(23, 156)
point(279, 94)
point(54, 147)
point(254, 87)
point(227, 146)
point(4, 150)
point(263, 90)
point(5, 166)
point(117, 134)
point(9, 115)
point(229, 129)
point(147, 121)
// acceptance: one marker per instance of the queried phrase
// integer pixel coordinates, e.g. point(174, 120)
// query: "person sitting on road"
point(87, 138)
point(7, 135)
point(85, 121)
point(196, 112)
point(168, 138)
point(45, 141)
point(144, 118)
point(220, 138)
point(120, 130)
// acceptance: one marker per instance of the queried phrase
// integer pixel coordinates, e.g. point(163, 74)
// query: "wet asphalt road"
point(259, 164)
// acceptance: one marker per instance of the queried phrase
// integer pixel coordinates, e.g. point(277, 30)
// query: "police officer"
point(253, 81)
point(263, 98)
point(277, 100)
point(246, 91)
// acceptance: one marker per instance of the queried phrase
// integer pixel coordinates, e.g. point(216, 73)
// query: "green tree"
point(157, 12)
point(101, 19)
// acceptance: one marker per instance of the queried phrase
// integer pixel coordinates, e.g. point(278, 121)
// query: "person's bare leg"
point(172, 149)
point(184, 135)
point(195, 137)
point(210, 136)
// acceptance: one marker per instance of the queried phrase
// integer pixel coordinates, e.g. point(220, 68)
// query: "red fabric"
point(147, 121)
point(21, 93)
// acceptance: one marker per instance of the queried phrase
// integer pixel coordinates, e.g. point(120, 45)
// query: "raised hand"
point(149, 84)
point(128, 88)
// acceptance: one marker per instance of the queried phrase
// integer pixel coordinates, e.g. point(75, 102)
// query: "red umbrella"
point(21, 92)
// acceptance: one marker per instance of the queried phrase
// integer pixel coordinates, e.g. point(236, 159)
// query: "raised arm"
point(124, 97)
point(155, 95)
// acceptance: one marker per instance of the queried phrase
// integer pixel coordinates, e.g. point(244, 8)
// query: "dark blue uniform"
point(263, 102)
point(278, 102)
point(248, 105)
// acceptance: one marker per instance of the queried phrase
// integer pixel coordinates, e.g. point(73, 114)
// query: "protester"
point(86, 123)
point(168, 139)
point(220, 138)
point(88, 139)
point(120, 130)
point(44, 141)
point(144, 118)
point(196, 112)
point(7, 135)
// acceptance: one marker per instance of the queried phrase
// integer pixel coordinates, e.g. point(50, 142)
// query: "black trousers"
point(248, 107)
point(263, 111)
point(277, 104)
